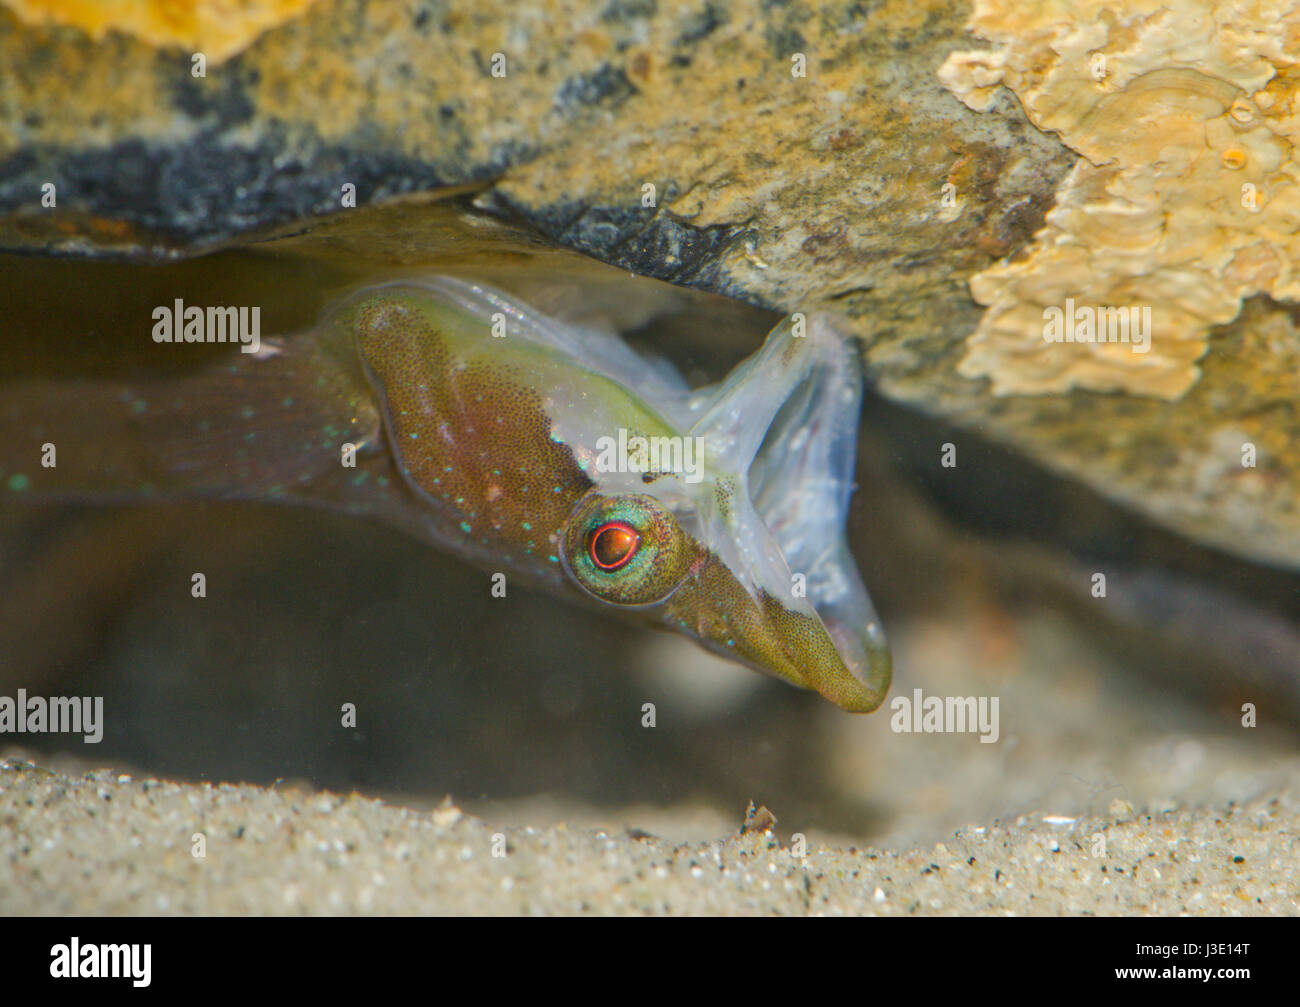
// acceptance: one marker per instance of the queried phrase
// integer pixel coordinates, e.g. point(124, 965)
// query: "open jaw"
point(773, 583)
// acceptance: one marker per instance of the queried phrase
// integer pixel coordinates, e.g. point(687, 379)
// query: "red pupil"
point(613, 545)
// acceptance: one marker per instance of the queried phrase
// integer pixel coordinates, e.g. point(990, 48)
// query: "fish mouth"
point(848, 663)
point(840, 653)
point(801, 483)
point(774, 519)
point(856, 671)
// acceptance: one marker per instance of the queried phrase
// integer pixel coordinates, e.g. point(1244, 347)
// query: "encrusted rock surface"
point(865, 185)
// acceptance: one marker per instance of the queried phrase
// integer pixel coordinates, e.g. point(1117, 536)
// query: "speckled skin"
point(467, 422)
point(471, 438)
point(403, 406)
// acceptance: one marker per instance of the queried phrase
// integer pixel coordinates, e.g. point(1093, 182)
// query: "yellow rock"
point(1184, 201)
point(216, 28)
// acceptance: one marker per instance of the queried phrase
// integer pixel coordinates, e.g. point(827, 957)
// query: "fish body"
point(548, 451)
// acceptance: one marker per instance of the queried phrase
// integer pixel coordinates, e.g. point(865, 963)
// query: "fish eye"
point(625, 550)
point(613, 544)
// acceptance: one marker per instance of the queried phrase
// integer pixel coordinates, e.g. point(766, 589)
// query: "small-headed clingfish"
point(549, 451)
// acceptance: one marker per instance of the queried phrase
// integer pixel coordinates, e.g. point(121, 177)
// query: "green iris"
point(626, 550)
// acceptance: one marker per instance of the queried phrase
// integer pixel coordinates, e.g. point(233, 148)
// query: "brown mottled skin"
point(472, 439)
point(482, 459)
point(402, 409)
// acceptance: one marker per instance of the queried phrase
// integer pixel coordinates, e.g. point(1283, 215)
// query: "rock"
point(783, 154)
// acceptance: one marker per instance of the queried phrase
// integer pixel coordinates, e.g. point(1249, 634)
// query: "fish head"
point(730, 528)
point(718, 513)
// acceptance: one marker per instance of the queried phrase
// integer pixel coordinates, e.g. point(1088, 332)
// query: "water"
point(533, 708)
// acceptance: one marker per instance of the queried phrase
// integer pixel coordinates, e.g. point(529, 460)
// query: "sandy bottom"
point(107, 843)
point(1101, 791)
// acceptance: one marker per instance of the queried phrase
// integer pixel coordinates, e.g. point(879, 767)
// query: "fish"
point(539, 449)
